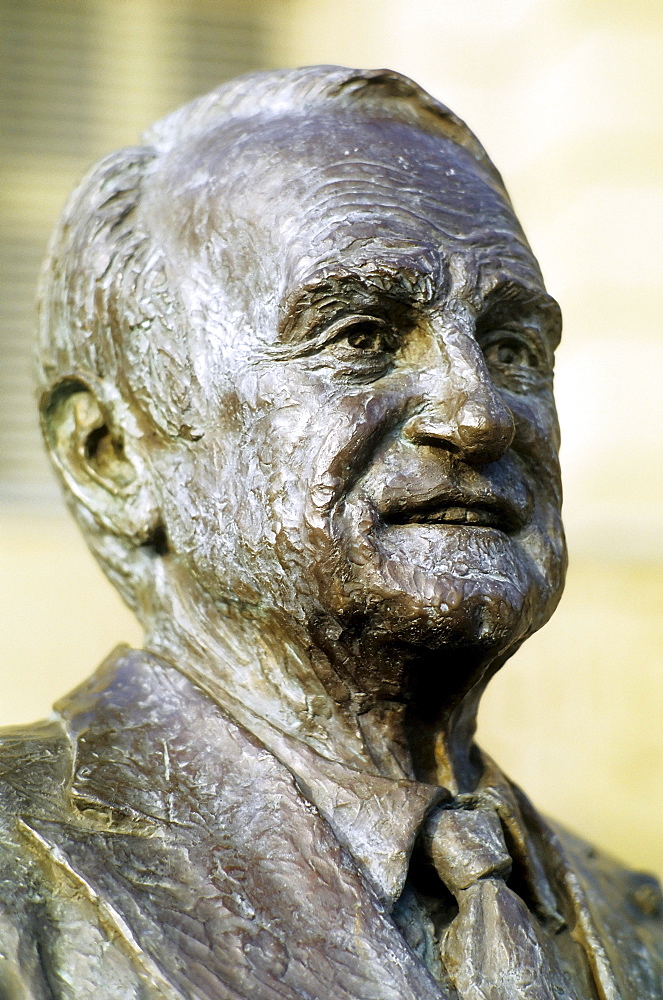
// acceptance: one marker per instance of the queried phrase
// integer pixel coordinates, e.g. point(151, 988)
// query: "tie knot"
point(467, 845)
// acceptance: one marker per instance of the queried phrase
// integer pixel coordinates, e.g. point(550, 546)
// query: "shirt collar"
point(377, 819)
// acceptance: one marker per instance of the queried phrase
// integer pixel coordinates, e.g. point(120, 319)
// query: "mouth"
point(484, 512)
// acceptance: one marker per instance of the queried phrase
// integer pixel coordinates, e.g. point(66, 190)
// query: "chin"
point(451, 586)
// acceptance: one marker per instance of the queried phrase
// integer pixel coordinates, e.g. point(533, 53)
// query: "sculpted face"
point(380, 463)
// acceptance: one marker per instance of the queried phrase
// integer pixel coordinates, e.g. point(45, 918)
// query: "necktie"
point(493, 949)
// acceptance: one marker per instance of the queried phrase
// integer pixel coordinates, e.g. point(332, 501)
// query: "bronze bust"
point(296, 359)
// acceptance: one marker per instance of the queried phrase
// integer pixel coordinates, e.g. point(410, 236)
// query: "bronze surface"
point(296, 361)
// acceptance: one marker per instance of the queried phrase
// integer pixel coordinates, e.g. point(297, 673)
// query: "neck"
point(271, 677)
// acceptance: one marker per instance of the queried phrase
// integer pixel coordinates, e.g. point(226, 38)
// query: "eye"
point(509, 350)
point(365, 336)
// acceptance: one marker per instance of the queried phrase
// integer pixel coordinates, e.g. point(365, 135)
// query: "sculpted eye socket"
point(367, 335)
point(506, 349)
point(364, 335)
point(358, 339)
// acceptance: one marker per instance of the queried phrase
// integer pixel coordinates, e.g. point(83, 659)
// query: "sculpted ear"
point(98, 460)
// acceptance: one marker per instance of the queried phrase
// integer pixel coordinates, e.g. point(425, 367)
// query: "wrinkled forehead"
point(267, 204)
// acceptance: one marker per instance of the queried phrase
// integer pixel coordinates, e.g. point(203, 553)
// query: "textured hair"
point(106, 304)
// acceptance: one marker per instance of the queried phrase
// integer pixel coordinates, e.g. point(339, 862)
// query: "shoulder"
point(627, 888)
point(35, 766)
point(35, 761)
point(627, 908)
point(56, 936)
point(614, 911)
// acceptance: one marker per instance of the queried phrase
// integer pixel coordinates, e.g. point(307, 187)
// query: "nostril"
point(478, 434)
point(426, 430)
point(435, 441)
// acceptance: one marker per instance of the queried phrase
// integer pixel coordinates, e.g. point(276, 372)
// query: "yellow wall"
point(566, 96)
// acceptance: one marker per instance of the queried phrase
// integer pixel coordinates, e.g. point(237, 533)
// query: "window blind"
point(79, 78)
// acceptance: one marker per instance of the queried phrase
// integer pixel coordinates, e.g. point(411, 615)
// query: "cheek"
point(537, 427)
point(353, 430)
point(537, 446)
point(537, 441)
point(311, 442)
point(311, 438)
point(196, 504)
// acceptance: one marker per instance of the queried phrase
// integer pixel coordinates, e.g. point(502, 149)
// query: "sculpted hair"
point(106, 304)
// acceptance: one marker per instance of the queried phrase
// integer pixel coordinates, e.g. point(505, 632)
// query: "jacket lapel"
point(196, 840)
point(617, 937)
point(195, 851)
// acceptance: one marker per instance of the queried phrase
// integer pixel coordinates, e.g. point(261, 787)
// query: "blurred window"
point(78, 79)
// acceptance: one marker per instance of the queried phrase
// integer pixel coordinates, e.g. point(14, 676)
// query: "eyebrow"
point(512, 296)
point(366, 286)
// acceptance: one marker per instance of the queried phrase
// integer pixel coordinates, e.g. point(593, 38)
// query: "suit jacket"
point(151, 847)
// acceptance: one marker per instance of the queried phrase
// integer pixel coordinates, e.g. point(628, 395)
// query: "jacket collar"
point(175, 836)
point(377, 819)
point(200, 841)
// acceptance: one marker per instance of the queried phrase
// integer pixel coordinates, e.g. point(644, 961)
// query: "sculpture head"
point(297, 363)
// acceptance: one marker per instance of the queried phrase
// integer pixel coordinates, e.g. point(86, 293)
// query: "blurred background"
point(566, 95)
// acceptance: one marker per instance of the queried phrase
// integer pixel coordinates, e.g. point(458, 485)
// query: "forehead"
point(280, 199)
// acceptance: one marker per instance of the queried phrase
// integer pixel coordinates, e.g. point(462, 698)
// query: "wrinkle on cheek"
point(361, 423)
point(537, 440)
point(536, 418)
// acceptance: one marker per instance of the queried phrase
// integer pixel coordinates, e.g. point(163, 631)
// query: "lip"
point(454, 508)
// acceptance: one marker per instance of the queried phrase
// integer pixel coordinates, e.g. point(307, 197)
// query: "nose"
point(460, 408)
